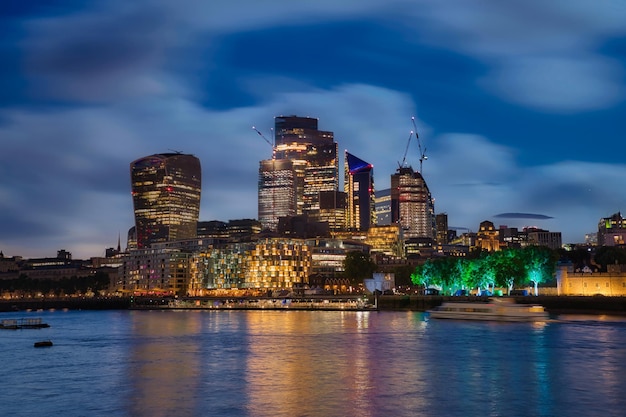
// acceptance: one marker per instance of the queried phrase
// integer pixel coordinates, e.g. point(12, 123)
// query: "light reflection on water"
point(298, 363)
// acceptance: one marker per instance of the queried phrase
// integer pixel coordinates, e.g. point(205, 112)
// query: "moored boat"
point(495, 309)
point(43, 343)
point(25, 323)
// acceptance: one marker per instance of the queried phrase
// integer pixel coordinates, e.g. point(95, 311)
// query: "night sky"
point(520, 105)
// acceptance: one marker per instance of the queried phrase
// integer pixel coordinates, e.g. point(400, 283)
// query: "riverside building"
point(268, 264)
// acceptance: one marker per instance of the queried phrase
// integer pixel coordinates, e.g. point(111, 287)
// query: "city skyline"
point(517, 105)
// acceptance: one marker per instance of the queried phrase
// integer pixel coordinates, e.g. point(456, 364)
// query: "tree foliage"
point(402, 275)
point(358, 266)
point(508, 268)
point(578, 257)
point(608, 255)
point(64, 286)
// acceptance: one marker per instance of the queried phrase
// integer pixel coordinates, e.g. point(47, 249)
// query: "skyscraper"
point(412, 205)
point(277, 191)
point(359, 189)
point(166, 197)
point(314, 156)
point(333, 209)
point(441, 220)
point(383, 207)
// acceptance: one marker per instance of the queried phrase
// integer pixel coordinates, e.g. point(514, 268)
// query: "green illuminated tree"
point(423, 274)
point(507, 268)
point(540, 263)
point(448, 274)
point(470, 272)
point(511, 269)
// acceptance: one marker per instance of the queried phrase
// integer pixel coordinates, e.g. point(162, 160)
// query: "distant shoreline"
point(554, 304)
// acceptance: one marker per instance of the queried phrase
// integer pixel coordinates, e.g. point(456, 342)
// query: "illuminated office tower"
point(383, 207)
point(359, 189)
point(277, 191)
point(412, 206)
point(333, 209)
point(441, 221)
point(314, 156)
point(166, 197)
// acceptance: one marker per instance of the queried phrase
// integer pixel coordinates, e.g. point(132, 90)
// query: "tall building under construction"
point(412, 205)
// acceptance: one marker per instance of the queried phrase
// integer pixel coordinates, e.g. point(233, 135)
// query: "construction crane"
point(266, 140)
point(406, 150)
point(263, 136)
point(423, 156)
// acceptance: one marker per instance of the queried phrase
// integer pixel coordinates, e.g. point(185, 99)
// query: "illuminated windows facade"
point(359, 189)
point(412, 205)
point(277, 191)
point(156, 270)
point(266, 264)
point(166, 197)
point(277, 264)
point(612, 230)
point(313, 154)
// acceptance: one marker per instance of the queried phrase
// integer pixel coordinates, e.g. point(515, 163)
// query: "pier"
point(333, 303)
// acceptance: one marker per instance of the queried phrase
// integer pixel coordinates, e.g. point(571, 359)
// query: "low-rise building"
point(588, 283)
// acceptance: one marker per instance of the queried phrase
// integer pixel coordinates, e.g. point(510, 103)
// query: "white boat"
point(496, 309)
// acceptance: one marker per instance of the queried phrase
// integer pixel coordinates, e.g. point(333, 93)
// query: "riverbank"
point(70, 303)
point(554, 304)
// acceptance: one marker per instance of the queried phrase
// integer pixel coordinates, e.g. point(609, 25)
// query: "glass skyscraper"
point(277, 191)
point(359, 189)
point(304, 164)
point(313, 153)
point(166, 197)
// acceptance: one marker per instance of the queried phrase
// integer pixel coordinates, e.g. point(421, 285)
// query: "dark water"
point(298, 363)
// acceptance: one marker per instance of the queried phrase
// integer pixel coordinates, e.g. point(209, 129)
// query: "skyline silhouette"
point(519, 106)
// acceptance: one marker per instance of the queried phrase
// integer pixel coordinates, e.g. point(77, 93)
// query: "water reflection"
point(164, 365)
point(298, 360)
point(368, 364)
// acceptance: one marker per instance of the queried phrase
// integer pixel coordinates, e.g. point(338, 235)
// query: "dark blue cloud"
point(326, 55)
point(12, 9)
point(522, 216)
point(93, 86)
point(442, 83)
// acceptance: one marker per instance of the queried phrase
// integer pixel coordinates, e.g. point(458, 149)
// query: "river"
point(309, 364)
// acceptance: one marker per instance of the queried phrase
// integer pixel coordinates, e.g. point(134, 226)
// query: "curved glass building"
point(166, 197)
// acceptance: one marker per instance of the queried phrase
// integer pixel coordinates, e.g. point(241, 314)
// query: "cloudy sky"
point(520, 105)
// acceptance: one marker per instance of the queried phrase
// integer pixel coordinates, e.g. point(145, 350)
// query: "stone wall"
point(610, 284)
